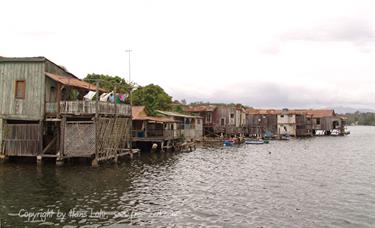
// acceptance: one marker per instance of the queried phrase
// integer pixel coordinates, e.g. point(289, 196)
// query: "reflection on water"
point(316, 182)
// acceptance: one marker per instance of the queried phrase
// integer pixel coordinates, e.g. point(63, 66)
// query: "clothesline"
point(107, 97)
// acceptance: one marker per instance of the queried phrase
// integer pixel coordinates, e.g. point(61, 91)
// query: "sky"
point(290, 53)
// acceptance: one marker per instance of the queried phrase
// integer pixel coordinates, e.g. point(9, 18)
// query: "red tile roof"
point(319, 113)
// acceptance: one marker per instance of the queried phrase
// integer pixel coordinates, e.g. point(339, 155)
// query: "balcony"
point(155, 134)
point(87, 108)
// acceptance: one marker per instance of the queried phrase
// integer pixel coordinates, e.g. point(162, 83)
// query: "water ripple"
point(316, 182)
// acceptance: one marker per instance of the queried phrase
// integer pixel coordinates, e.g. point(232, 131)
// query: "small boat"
point(284, 137)
point(255, 142)
point(268, 135)
point(319, 132)
point(335, 132)
point(228, 142)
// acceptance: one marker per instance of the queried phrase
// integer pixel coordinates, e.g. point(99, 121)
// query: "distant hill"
point(343, 110)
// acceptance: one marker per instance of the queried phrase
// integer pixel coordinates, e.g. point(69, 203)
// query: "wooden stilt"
point(38, 160)
point(59, 161)
point(3, 158)
point(94, 163)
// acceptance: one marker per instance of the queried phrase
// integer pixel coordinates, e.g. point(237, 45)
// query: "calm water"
point(317, 182)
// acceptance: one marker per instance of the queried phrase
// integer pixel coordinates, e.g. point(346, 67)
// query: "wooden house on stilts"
point(154, 131)
point(43, 113)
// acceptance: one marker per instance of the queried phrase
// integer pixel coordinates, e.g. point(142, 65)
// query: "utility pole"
point(131, 104)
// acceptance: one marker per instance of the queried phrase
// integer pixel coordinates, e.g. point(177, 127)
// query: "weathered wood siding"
point(51, 95)
point(52, 68)
point(260, 124)
point(1, 136)
point(303, 125)
point(22, 139)
point(30, 108)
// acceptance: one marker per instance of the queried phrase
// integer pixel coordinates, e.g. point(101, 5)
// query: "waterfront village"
point(48, 112)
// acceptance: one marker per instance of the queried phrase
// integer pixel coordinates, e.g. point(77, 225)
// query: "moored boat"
point(256, 142)
point(228, 142)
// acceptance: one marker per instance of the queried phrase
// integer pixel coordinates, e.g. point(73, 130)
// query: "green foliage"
point(178, 108)
point(153, 97)
point(359, 118)
point(108, 82)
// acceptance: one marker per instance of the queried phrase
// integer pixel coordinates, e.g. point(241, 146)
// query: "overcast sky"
point(260, 53)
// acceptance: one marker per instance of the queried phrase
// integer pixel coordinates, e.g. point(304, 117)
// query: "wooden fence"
point(110, 135)
point(22, 139)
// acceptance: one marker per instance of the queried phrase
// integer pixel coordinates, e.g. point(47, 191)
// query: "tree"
point(153, 97)
point(108, 82)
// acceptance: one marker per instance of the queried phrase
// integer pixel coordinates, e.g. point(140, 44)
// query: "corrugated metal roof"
point(22, 59)
point(74, 82)
point(200, 108)
point(176, 114)
point(263, 111)
point(318, 113)
point(139, 113)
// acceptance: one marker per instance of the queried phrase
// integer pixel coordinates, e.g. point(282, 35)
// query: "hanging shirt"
point(111, 98)
point(123, 97)
point(105, 96)
point(89, 95)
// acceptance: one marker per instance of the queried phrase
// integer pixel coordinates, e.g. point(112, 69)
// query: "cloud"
point(358, 31)
point(274, 95)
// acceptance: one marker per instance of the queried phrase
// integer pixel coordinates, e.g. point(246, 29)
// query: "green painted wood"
point(30, 108)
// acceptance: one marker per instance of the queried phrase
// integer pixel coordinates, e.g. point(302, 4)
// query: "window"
point(231, 115)
point(198, 121)
point(20, 89)
point(222, 122)
point(282, 116)
point(318, 121)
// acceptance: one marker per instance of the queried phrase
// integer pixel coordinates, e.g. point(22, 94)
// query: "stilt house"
point(43, 113)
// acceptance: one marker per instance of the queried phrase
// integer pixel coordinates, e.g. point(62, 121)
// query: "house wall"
point(1, 135)
point(286, 124)
point(198, 128)
point(325, 123)
point(267, 122)
point(303, 125)
point(238, 118)
point(243, 119)
point(30, 108)
point(224, 112)
point(287, 129)
point(51, 96)
point(286, 119)
point(54, 69)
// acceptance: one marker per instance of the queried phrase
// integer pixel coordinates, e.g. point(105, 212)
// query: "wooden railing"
point(87, 107)
point(165, 134)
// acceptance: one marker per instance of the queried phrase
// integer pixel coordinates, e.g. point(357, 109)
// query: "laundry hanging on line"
point(89, 95)
point(105, 96)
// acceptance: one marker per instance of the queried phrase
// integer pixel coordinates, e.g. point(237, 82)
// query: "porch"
point(80, 107)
